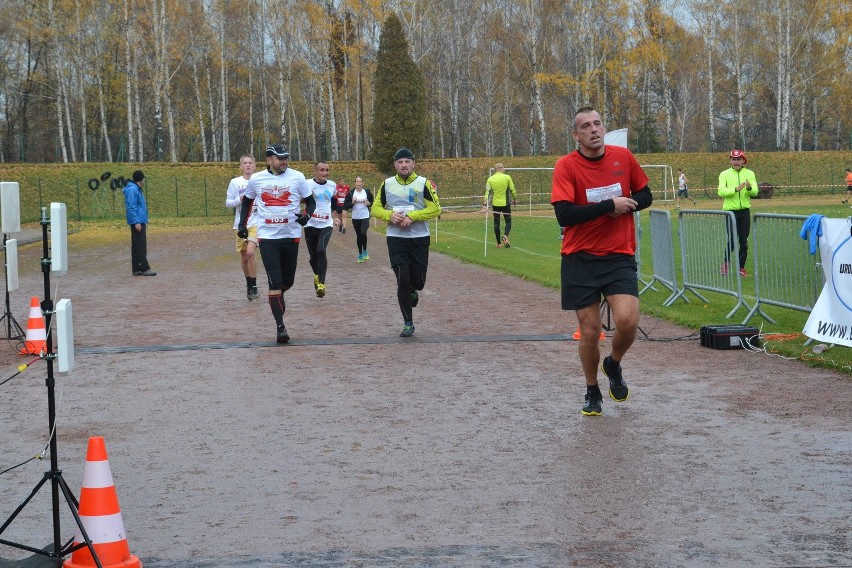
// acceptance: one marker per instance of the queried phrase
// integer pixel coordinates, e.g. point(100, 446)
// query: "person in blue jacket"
point(137, 219)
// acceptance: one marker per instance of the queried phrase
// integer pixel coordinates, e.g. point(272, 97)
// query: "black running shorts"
point(409, 251)
point(586, 277)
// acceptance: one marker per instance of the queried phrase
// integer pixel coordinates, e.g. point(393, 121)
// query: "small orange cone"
point(101, 515)
point(577, 335)
point(36, 340)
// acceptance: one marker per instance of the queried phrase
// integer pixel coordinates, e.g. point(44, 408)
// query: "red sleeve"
point(563, 184)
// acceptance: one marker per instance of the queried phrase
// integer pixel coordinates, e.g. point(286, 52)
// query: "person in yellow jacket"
point(499, 185)
point(737, 185)
point(406, 202)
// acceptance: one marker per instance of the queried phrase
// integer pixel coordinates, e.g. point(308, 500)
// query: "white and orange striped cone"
point(36, 340)
point(576, 335)
point(101, 516)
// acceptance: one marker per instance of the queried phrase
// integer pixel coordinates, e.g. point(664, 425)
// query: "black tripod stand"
point(607, 323)
point(57, 482)
point(11, 325)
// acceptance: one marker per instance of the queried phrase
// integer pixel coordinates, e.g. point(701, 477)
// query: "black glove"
point(242, 231)
point(303, 219)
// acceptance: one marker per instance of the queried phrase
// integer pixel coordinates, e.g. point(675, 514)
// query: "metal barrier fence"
point(662, 255)
point(785, 273)
point(704, 246)
point(637, 221)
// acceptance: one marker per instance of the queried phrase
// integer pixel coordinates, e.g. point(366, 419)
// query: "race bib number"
point(598, 194)
point(276, 215)
point(403, 208)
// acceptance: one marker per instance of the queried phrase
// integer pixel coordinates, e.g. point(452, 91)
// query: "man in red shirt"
point(339, 199)
point(596, 189)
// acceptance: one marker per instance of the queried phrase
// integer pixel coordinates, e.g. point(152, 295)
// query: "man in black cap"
point(137, 218)
point(278, 192)
point(407, 202)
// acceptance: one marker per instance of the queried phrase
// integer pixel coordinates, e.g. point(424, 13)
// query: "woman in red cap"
point(737, 185)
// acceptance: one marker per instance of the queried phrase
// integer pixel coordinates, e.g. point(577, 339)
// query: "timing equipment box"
point(729, 336)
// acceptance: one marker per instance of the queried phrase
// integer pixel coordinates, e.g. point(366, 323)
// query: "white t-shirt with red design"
point(278, 198)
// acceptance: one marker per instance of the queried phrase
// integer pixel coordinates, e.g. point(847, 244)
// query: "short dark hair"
point(582, 110)
point(138, 176)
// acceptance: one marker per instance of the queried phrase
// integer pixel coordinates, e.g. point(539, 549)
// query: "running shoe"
point(592, 404)
point(506, 241)
point(407, 329)
point(743, 272)
point(320, 290)
point(618, 390)
point(499, 245)
point(360, 257)
point(366, 255)
point(253, 293)
point(723, 270)
point(415, 298)
point(316, 281)
point(343, 231)
point(283, 336)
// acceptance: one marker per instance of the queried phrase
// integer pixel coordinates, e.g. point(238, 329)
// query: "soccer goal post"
point(533, 189)
point(661, 180)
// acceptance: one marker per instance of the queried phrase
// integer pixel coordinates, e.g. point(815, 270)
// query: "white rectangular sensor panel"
point(65, 336)
point(10, 203)
point(58, 239)
point(12, 265)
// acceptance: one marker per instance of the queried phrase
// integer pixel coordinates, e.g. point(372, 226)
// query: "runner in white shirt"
point(278, 192)
point(682, 189)
point(359, 200)
point(245, 247)
point(319, 228)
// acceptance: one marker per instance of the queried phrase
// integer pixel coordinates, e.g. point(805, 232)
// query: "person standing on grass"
point(406, 202)
point(319, 228)
point(848, 185)
point(596, 190)
point(278, 192)
point(498, 187)
point(247, 246)
point(136, 210)
point(359, 201)
point(737, 185)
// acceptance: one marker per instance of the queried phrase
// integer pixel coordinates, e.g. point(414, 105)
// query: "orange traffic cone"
point(576, 335)
point(101, 516)
point(36, 340)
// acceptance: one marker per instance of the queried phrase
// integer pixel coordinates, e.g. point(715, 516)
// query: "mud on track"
point(464, 446)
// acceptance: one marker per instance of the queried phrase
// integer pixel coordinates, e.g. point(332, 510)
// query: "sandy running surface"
point(463, 446)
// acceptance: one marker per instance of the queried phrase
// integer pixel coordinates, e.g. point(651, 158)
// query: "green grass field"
point(534, 255)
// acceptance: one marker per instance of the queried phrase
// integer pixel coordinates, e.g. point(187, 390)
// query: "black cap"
point(277, 150)
point(403, 153)
point(138, 176)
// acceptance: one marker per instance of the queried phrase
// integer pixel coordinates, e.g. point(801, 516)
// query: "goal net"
point(533, 185)
point(661, 180)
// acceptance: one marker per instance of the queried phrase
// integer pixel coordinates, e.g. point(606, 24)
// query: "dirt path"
point(461, 447)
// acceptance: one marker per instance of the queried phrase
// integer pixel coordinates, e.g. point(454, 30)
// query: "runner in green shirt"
point(499, 185)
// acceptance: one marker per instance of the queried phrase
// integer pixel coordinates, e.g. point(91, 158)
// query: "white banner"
point(831, 319)
point(616, 137)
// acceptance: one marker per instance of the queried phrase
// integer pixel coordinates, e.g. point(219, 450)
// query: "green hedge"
point(198, 189)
